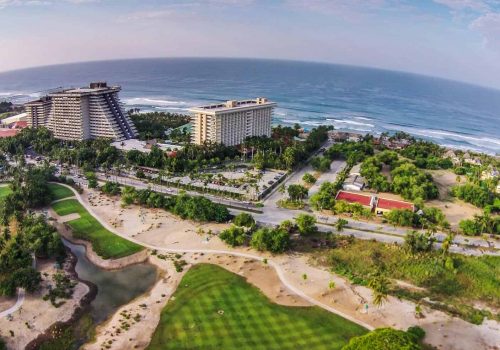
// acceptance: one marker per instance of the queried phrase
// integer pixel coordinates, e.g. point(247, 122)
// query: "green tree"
point(309, 179)
point(340, 224)
point(297, 192)
point(234, 236)
point(244, 220)
point(306, 224)
point(384, 339)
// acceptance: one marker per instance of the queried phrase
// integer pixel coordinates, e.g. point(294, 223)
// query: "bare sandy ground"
point(5, 302)
point(37, 315)
point(153, 226)
point(454, 209)
point(162, 229)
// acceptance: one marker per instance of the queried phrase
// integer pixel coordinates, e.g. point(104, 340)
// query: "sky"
point(454, 39)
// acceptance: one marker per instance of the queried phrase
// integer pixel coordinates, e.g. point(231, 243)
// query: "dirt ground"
point(454, 209)
point(36, 315)
point(153, 226)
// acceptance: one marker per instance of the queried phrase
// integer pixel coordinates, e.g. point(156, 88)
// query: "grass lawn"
point(4, 191)
point(59, 191)
point(249, 319)
point(105, 243)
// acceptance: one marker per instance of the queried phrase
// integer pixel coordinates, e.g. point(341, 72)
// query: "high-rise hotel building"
point(231, 122)
point(82, 113)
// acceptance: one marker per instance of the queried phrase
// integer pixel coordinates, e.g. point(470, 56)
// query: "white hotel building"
point(82, 113)
point(231, 122)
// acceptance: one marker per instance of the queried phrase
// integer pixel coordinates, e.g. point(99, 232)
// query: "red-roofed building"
point(18, 125)
point(352, 197)
point(385, 205)
point(4, 132)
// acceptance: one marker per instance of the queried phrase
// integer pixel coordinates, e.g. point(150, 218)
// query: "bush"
point(274, 240)
point(309, 179)
point(244, 220)
point(384, 339)
point(478, 195)
point(417, 332)
point(234, 236)
point(321, 164)
point(306, 224)
point(417, 242)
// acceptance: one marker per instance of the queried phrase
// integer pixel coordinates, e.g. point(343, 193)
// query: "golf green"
point(105, 243)
point(216, 309)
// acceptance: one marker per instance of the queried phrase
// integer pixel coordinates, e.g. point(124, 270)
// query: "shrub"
point(234, 236)
point(417, 332)
point(309, 179)
point(274, 240)
point(384, 338)
point(244, 220)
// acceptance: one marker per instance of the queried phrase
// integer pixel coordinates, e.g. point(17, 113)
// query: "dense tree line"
point(31, 236)
point(282, 151)
point(153, 125)
point(427, 155)
point(480, 224)
point(352, 152)
point(387, 339)
point(478, 194)
point(29, 190)
point(426, 217)
point(187, 207)
point(407, 180)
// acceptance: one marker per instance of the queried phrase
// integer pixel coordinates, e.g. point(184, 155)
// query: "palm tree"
point(380, 286)
point(340, 224)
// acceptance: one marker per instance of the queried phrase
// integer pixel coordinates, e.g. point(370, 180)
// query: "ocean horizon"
point(357, 99)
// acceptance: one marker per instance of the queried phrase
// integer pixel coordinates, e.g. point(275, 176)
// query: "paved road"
point(271, 214)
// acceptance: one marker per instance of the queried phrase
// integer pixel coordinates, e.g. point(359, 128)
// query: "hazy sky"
point(457, 39)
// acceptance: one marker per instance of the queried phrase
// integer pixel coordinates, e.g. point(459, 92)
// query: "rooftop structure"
point(82, 113)
point(385, 205)
point(351, 197)
point(232, 122)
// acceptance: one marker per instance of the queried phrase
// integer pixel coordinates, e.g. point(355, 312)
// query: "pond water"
point(114, 287)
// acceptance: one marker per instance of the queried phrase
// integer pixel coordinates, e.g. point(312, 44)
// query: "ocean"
point(350, 98)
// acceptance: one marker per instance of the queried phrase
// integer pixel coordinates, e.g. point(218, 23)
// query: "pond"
point(114, 289)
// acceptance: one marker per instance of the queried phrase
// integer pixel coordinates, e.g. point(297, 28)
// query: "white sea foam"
point(146, 101)
point(362, 118)
point(479, 143)
point(351, 122)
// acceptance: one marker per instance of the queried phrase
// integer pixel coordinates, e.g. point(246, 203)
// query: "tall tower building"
point(82, 113)
point(232, 122)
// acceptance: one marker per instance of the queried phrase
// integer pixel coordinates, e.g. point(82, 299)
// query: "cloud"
point(489, 26)
point(460, 5)
point(7, 3)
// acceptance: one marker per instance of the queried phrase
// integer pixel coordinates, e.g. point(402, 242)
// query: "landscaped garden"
point(59, 191)
point(216, 309)
point(105, 243)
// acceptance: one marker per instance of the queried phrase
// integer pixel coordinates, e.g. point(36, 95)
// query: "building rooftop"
point(232, 105)
point(352, 197)
point(391, 204)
